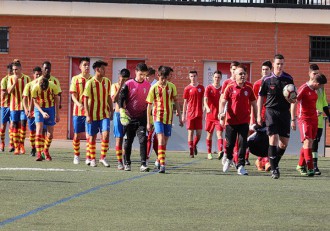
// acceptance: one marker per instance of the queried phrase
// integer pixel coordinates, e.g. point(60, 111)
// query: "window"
point(4, 39)
point(319, 49)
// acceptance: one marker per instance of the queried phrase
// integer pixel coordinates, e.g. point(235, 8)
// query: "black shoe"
point(276, 174)
point(11, 149)
point(33, 152)
point(220, 155)
point(247, 162)
point(195, 151)
point(317, 171)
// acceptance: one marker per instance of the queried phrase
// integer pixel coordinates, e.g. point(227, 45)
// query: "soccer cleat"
point(2, 147)
point(162, 169)
point(157, 165)
point(220, 155)
point(241, 171)
point(192, 156)
point(224, 159)
point(276, 174)
point(310, 172)
point(76, 159)
point(39, 157)
point(226, 165)
point(48, 158)
point(16, 152)
point(93, 163)
point(195, 151)
point(247, 162)
point(144, 168)
point(33, 152)
point(301, 170)
point(128, 167)
point(258, 165)
point(11, 148)
point(104, 162)
point(209, 156)
point(22, 149)
point(120, 166)
point(317, 171)
point(88, 161)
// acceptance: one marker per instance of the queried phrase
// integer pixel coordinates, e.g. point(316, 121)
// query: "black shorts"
point(278, 122)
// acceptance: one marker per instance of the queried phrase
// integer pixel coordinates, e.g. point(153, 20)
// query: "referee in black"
point(280, 113)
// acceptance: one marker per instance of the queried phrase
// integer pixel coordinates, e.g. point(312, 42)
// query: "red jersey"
point(256, 88)
point(306, 98)
point(213, 95)
point(194, 97)
point(239, 103)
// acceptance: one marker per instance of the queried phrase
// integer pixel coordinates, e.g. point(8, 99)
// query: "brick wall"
point(183, 45)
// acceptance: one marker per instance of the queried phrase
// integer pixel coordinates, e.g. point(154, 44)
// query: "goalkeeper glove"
point(124, 119)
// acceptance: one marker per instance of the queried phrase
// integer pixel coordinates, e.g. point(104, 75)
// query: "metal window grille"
point(4, 39)
point(319, 49)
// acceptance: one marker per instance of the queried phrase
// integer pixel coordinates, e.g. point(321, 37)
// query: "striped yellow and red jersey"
point(77, 86)
point(45, 98)
point(97, 94)
point(5, 97)
point(162, 98)
point(27, 92)
point(16, 95)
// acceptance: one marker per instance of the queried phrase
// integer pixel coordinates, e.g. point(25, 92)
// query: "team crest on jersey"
point(272, 87)
point(199, 90)
point(246, 93)
point(169, 91)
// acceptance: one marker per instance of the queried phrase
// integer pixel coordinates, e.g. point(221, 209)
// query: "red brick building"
point(183, 37)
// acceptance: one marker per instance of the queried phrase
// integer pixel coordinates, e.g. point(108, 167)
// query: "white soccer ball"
point(290, 92)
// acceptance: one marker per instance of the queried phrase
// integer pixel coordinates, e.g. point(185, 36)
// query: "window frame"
point(321, 46)
point(4, 40)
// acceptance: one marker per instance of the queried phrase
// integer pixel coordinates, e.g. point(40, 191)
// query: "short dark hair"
point(242, 66)
point(16, 64)
point(193, 72)
point(99, 63)
point(234, 63)
point(151, 71)
point(47, 63)
point(314, 67)
point(278, 56)
point(171, 69)
point(141, 67)
point(267, 63)
point(10, 66)
point(44, 83)
point(321, 79)
point(37, 68)
point(217, 72)
point(84, 59)
point(125, 73)
point(164, 71)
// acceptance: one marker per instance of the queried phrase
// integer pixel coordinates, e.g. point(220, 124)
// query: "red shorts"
point(211, 124)
point(308, 129)
point(195, 123)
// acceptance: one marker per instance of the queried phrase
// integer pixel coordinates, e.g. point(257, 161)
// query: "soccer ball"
point(290, 92)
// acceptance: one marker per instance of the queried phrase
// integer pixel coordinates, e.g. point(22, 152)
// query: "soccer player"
point(98, 109)
point(321, 106)
point(118, 129)
point(211, 105)
point(280, 113)
point(239, 98)
point(262, 163)
point(77, 87)
point(152, 136)
point(133, 94)
point(46, 111)
point(307, 120)
point(15, 87)
point(5, 111)
point(29, 107)
point(192, 112)
point(161, 97)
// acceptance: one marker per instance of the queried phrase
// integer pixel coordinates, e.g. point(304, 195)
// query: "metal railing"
point(318, 4)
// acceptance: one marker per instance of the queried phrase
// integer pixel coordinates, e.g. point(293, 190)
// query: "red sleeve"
point(252, 95)
point(226, 93)
point(206, 94)
point(186, 93)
